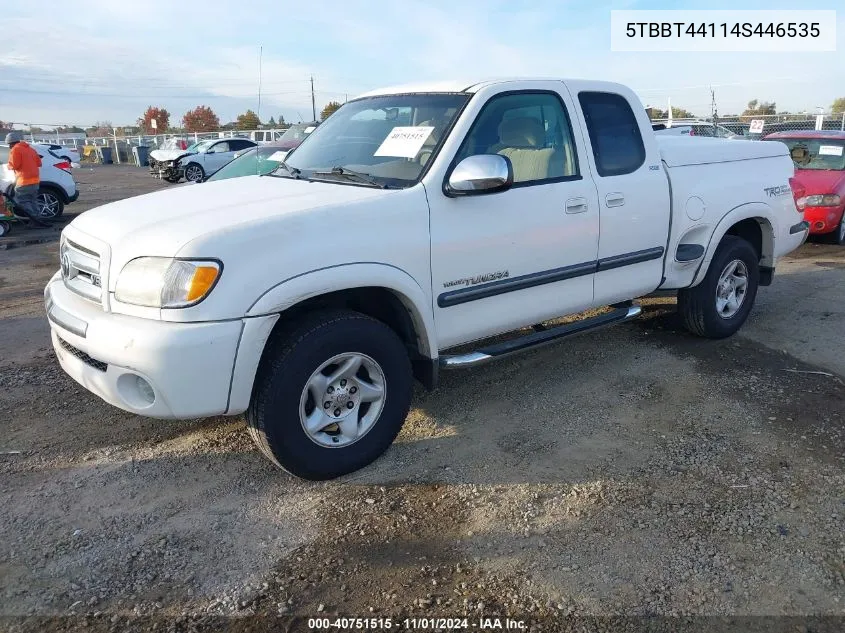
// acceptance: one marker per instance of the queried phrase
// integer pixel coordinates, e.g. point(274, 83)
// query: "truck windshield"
point(387, 138)
point(816, 153)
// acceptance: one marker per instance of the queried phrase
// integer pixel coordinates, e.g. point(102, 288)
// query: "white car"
point(210, 156)
point(58, 188)
point(70, 154)
point(418, 221)
point(198, 161)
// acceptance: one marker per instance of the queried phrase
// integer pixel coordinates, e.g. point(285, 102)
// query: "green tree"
point(330, 109)
point(760, 108)
point(838, 106)
point(248, 121)
point(201, 119)
point(677, 113)
point(281, 119)
point(162, 119)
point(272, 122)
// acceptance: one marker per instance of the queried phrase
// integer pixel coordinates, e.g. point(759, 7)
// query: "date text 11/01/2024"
point(724, 29)
point(417, 624)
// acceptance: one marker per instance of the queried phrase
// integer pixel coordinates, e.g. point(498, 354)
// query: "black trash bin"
point(141, 153)
point(105, 155)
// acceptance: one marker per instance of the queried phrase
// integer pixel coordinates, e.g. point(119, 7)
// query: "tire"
point(703, 311)
point(50, 204)
point(838, 236)
point(194, 172)
point(5, 228)
point(282, 401)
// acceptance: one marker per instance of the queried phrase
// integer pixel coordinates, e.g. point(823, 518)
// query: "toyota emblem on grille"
point(65, 262)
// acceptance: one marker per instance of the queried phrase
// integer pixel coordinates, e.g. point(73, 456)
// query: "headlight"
point(826, 200)
point(162, 282)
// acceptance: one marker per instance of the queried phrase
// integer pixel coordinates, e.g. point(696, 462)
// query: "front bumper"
point(153, 368)
point(165, 170)
point(823, 219)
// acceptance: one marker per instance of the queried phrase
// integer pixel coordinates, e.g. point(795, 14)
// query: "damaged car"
point(198, 161)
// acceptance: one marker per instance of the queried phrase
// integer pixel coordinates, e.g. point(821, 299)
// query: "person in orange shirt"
point(26, 164)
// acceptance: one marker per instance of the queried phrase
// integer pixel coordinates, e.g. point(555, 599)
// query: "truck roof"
point(466, 85)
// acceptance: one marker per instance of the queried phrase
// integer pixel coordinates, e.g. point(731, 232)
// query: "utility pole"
point(313, 102)
point(713, 114)
point(260, 55)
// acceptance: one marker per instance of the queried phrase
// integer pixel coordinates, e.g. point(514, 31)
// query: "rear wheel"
point(5, 228)
point(50, 204)
point(719, 305)
point(331, 394)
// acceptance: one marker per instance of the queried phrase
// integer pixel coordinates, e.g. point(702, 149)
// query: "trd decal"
point(781, 190)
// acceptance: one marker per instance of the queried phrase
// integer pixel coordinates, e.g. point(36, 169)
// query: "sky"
point(81, 62)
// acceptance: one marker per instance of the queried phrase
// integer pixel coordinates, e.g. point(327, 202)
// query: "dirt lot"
point(633, 472)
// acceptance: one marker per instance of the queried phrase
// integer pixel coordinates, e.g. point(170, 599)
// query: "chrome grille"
point(81, 270)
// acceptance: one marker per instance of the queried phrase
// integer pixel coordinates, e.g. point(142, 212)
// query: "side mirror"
point(482, 173)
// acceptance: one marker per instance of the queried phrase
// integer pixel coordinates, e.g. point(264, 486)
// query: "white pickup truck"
point(413, 221)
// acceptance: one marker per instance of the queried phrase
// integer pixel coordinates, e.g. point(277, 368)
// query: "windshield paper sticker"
point(277, 156)
point(830, 150)
point(404, 142)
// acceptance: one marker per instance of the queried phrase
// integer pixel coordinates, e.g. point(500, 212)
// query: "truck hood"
point(162, 223)
point(817, 181)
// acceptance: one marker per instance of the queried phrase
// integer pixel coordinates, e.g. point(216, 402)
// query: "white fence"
point(145, 139)
point(750, 125)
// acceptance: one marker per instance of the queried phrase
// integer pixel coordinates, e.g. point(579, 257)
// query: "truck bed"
point(679, 151)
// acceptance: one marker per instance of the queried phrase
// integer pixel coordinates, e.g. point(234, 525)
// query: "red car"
point(819, 157)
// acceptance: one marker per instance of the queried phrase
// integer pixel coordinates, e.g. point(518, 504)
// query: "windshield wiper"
point(293, 171)
point(358, 175)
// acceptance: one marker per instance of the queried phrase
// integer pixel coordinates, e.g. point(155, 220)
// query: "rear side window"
point(614, 133)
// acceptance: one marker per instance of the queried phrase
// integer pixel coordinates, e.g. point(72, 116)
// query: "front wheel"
point(194, 173)
point(331, 394)
point(5, 228)
point(50, 205)
point(720, 304)
point(838, 236)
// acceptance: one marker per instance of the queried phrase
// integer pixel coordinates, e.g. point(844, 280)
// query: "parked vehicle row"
point(199, 161)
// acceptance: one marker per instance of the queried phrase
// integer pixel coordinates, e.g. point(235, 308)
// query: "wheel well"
point(380, 304)
point(759, 233)
point(56, 190)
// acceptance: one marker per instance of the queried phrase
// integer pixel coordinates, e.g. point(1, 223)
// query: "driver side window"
point(532, 129)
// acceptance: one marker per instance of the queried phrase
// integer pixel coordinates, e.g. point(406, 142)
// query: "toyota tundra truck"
point(409, 231)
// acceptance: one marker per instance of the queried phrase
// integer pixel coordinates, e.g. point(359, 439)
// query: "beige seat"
point(522, 139)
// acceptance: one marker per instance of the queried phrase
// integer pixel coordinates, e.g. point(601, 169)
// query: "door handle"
point(614, 200)
point(576, 205)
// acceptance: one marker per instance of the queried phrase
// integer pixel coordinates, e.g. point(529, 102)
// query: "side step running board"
point(539, 338)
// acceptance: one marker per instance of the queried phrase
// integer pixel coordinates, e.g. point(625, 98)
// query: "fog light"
point(145, 390)
point(819, 225)
point(136, 391)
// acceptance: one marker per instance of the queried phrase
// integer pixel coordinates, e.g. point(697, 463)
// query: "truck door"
point(632, 190)
point(504, 260)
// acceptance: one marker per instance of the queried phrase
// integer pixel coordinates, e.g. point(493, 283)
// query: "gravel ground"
point(633, 472)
